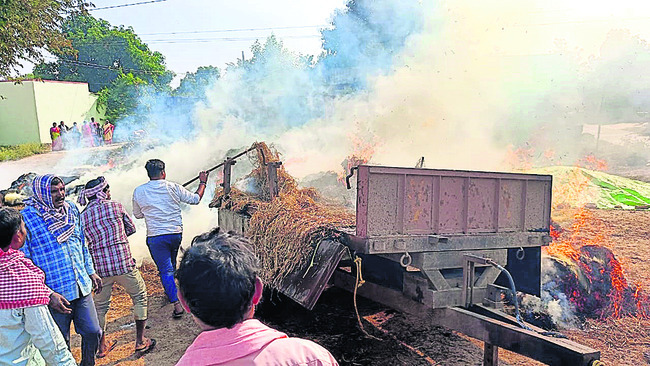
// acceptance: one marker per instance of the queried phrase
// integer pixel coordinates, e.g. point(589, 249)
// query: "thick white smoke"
point(457, 82)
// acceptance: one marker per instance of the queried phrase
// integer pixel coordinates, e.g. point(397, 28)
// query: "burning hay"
point(583, 279)
point(285, 229)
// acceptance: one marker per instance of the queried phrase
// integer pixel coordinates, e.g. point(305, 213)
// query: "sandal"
point(178, 315)
point(146, 348)
point(109, 349)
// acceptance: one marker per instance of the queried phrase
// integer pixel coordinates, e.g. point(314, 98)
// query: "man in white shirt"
point(159, 203)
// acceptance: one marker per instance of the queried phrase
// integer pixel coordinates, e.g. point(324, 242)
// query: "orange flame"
point(362, 152)
point(591, 162)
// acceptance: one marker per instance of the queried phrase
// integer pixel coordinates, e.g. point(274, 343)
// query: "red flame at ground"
point(577, 246)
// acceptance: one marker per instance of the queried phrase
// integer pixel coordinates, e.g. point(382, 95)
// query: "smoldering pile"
point(583, 280)
point(284, 230)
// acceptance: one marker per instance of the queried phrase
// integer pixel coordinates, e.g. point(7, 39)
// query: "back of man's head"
point(10, 220)
point(217, 278)
point(155, 168)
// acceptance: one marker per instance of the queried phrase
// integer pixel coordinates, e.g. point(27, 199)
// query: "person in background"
point(76, 134)
point(107, 226)
point(55, 134)
point(159, 203)
point(96, 131)
point(56, 244)
point(218, 283)
point(28, 334)
point(108, 129)
point(65, 137)
point(88, 137)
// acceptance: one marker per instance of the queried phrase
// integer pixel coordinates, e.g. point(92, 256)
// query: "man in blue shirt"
point(55, 243)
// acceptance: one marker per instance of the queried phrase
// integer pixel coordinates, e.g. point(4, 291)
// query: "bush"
point(21, 151)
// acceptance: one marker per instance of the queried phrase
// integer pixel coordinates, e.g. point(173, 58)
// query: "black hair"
point(217, 278)
point(94, 183)
point(154, 167)
point(56, 181)
point(10, 220)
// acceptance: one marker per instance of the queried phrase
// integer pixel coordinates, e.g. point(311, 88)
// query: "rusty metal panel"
point(481, 217)
point(418, 201)
point(452, 204)
point(536, 202)
point(410, 201)
point(510, 205)
point(383, 206)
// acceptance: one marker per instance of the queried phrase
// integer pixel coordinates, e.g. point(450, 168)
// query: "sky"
point(156, 22)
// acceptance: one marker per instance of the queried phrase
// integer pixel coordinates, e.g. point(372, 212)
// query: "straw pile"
point(286, 230)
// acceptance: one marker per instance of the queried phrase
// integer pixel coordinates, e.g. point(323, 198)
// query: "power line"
point(235, 30)
point(125, 5)
point(199, 40)
point(105, 67)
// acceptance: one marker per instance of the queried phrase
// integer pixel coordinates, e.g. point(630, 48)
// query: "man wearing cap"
point(107, 226)
point(56, 244)
point(159, 203)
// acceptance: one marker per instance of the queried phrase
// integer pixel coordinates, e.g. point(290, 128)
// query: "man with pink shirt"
point(218, 284)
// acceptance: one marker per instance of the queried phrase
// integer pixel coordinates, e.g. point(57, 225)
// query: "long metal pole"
point(221, 164)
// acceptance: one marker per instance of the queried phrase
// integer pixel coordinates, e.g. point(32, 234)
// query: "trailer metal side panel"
point(411, 201)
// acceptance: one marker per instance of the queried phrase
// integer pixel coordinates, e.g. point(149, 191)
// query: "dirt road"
point(66, 162)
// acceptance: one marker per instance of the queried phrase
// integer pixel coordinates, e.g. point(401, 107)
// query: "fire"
point(591, 162)
point(519, 158)
point(362, 152)
point(606, 292)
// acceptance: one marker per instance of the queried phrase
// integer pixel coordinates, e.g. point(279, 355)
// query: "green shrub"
point(21, 151)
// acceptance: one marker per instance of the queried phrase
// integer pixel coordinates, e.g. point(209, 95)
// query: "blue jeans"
point(164, 250)
point(86, 324)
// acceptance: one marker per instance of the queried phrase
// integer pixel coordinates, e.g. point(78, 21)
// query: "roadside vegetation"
point(22, 151)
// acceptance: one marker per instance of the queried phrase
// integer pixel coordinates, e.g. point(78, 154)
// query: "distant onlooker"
point(76, 134)
point(218, 284)
point(88, 136)
point(96, 131)
point(108, 132)
point(28, 334)
point(65, 137)
point(55, 134)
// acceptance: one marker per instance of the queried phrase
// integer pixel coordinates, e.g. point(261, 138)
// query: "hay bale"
point(285, 230)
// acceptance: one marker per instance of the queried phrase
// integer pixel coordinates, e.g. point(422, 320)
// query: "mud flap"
point(305, 284)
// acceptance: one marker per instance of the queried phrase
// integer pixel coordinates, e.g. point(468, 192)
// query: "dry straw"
point(285, 230)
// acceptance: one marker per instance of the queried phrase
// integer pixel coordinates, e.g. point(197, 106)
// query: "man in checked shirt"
point(107, 225)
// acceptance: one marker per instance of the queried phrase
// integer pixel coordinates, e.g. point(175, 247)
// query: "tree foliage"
point(29, 27)
point(114, 62)
point(194, 84)
point(121, 97)
point(102, 53)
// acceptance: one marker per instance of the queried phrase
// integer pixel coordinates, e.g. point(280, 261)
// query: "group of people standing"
point(53, 257)
point(75, 136)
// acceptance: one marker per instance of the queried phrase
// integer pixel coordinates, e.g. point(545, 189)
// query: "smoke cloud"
point(462, 83)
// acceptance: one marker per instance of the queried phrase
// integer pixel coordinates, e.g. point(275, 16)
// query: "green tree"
point(102, 53)
point(121, 97)
point(193, 85)
point(27, 28)
point(114, 62)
